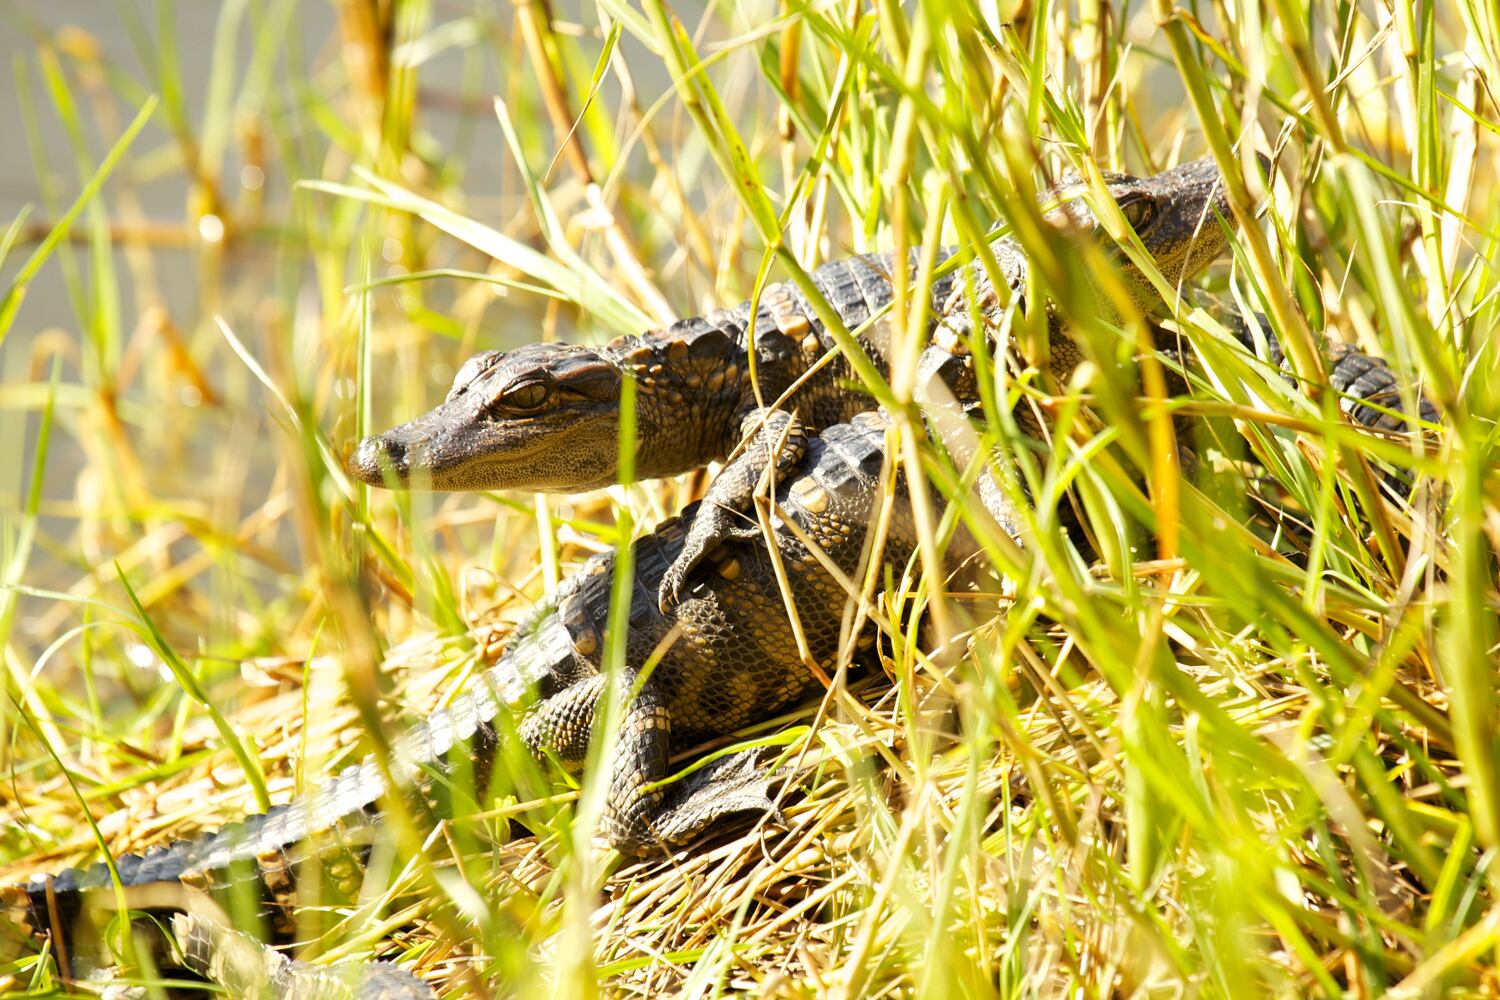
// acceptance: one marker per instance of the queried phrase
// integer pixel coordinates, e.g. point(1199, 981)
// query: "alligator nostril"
point(378, 460)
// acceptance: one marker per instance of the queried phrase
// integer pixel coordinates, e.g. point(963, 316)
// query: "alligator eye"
point(523, 397)
point(1139, 212)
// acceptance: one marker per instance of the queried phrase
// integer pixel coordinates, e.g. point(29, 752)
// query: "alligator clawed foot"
point(729, 791)
point(710, 529)
point(670, 593)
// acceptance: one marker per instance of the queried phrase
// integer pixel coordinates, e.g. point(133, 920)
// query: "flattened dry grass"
point(1211, 761)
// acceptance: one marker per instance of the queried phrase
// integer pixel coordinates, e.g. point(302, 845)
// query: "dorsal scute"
point(710, 345)
point(839, 282)
point(630, 350)
point(870, 421)
point(874, 275)
point(851, 458)
point(624, 342)
point(733, 322)
point(577, 618)
point(685, 330)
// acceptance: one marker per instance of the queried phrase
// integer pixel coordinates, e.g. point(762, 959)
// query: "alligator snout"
point(381, 460)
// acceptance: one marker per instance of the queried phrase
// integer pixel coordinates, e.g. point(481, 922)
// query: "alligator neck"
point(693, 386)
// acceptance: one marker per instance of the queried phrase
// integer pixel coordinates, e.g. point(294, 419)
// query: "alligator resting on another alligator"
point(704, 587)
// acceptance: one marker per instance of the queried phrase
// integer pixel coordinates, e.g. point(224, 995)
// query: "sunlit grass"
point(1198, 754)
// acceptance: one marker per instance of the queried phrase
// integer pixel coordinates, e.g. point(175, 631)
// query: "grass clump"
point(1206, 754)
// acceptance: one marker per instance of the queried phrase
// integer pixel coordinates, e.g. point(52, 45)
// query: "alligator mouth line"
point(383, 461)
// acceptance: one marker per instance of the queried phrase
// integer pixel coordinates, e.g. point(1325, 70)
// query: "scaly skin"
point(731, 658)
point(734, 661)
point(545, 417)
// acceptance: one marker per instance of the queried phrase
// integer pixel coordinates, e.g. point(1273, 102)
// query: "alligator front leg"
point(774, 436)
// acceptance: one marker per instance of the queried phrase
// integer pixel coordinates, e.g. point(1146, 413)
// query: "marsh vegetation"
point(1223, 757)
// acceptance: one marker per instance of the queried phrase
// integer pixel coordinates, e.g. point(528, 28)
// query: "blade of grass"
point(188, 682)
point(14, 295)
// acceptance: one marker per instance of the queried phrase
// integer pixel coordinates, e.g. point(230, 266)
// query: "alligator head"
point(541, 417)
point(1176, 214)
